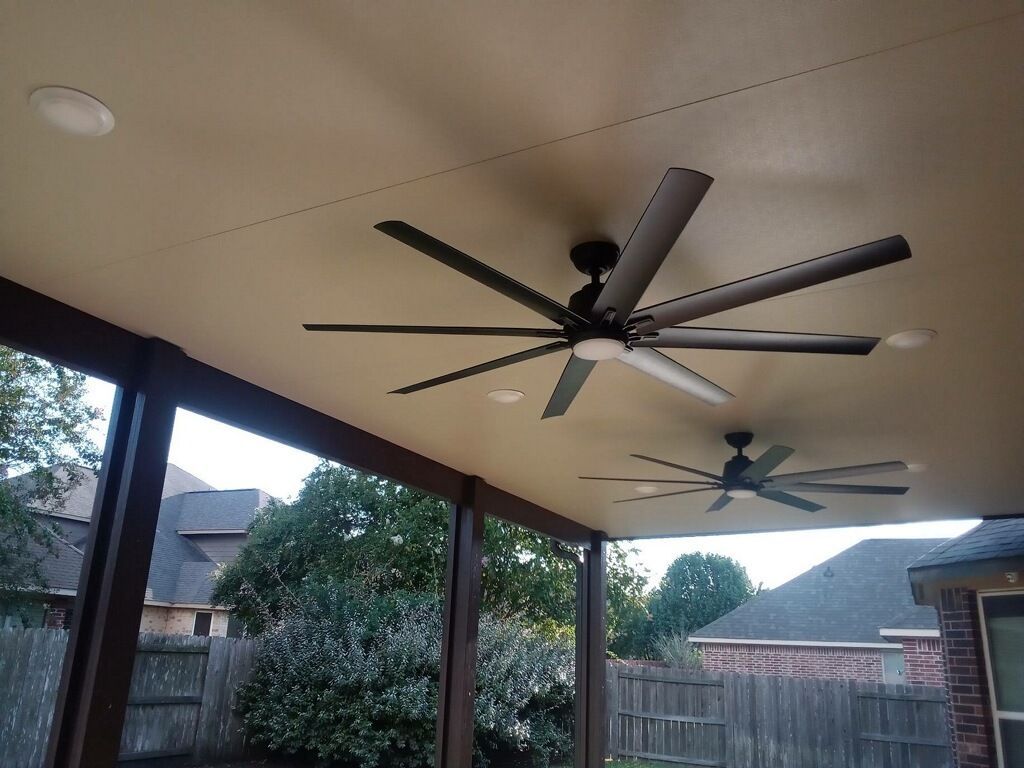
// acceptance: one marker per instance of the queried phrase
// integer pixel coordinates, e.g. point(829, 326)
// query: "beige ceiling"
point(257, 143)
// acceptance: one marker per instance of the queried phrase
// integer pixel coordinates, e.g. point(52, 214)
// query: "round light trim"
point(599, 349)
point(72, 111)
point(915, 338)
point(646, 489)
point(506, 396)
point(741, 493)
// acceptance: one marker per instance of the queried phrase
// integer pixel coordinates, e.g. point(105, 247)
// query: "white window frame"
point(195, 617)
point(996, 713)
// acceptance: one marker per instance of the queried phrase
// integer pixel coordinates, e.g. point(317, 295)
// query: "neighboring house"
point(199, 528)
point(851, 617)
point(976, 581)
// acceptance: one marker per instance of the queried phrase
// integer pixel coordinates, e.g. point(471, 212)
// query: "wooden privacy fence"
point(729, 720)
point(181, 702)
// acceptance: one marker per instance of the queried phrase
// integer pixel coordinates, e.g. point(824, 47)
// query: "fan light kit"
point(506, 396)
point(744, 478)
point(915, 338)
point(601, 320)
point(72, 111)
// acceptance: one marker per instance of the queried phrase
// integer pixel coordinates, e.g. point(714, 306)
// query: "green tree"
point(349, 528)
point(44, 439)
point(697, 589)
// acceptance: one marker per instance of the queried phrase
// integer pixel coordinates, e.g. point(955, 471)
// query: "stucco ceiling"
point(257, 143)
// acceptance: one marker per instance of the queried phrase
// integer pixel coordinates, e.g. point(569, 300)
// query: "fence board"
point(180, 702)
point(760, 721)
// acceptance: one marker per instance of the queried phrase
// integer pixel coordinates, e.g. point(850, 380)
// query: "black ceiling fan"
point(744, 478)
point(601, 321)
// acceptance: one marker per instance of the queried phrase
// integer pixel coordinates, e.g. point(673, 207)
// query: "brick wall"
point(794, 661)
point(179, 621)
point(923, 661)
point(970, 716)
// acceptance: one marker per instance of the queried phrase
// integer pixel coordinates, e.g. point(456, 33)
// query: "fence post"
point(613, 710)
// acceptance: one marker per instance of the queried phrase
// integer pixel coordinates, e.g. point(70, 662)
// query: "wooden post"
point(590, 626)
point(454, 747)
point(96, 675)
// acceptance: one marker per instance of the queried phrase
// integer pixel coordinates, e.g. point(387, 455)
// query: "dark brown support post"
point(454, 747)
point(590, 674)
point(97, 671)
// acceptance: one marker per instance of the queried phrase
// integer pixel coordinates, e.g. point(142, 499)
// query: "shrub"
point(675, 650)
point(352, 680)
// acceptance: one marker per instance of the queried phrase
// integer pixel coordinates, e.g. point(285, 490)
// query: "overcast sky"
point(226, 457)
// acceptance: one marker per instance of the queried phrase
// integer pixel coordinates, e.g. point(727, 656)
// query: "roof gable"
point(847, 598)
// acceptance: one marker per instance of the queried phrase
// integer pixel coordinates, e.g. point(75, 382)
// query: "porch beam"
point(96, 675)
point(455, 701)
point(35, 323)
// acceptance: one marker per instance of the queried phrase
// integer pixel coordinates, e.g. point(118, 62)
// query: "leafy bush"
point(675, 650)
point(352, 680)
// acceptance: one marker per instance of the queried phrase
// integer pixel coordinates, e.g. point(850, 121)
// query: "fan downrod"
point(739, 440)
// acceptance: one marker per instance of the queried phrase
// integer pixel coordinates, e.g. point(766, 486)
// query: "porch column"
point(97, 670)
point(590, 673)
point(455, 708)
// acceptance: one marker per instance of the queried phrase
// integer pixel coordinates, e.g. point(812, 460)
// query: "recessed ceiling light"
point(915, 338)
point(72, 111)
point(917, 467)
point(646, 489)
point(506, 396)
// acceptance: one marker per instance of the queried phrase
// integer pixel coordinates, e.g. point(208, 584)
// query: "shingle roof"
point(847, 598)
point(990, 540)
point(179, 571)
point(220, 510)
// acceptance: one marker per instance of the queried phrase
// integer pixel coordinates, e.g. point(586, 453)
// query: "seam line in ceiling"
point(549, 142)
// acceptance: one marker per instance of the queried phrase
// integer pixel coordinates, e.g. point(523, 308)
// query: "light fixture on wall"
point(72, 111)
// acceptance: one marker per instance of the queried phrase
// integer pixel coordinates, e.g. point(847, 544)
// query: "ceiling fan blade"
point(774, 283)
point(858, 470)
point(691, 470)
point(648, 480)
point(569, 384)
point(501, 362)
point(441, 330)
point(674, 202)
point(759, 341)
point(790, 500)
point(663, 495)
point(480, 272)
point(879, 490)
point(720, 503)
point(766, 462)
point(667, 370)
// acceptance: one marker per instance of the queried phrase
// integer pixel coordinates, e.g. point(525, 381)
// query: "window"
point(1003, 620)
point(201, 626)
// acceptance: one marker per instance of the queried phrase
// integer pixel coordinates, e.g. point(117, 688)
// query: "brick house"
point(975, 582)
point(199, 529)
point(850, 617)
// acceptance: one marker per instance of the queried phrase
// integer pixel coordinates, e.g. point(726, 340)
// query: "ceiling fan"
point(743, 478)
point(601, 321)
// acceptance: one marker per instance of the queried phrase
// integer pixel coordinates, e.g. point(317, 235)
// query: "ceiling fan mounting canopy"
point(602, 322)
